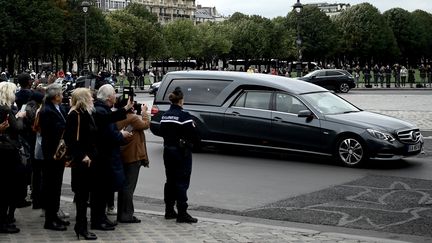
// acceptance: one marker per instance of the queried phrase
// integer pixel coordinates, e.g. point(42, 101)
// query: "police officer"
point(179, 133)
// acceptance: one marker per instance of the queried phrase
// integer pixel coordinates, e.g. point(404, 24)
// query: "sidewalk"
point(154, 228)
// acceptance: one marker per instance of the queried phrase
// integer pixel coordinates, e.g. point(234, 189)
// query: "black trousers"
point(101, 191)
point(10, 176)
point(36, 183)
point(178, 168)
point(81, 187)
point(51, 187)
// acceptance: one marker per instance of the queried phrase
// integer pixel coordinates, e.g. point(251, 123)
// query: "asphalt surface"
point(384, 207)
point(376, 202)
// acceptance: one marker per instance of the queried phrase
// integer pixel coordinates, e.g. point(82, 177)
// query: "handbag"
point(62, 153)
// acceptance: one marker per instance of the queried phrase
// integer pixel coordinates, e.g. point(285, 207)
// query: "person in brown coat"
point(134, 154)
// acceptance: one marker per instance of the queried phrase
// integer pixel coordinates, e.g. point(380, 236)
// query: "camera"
point(128, 92)
point(123, 99)
point(137, 107)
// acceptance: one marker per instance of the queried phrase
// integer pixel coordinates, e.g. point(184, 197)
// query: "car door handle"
point(278, 119)
point(235, 113)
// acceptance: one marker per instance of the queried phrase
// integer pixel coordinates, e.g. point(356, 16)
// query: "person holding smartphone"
point(11, 169)
point(133, 154)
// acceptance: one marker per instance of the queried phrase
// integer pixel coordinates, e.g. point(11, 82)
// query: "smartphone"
point(23, 107)
point(128, 92)
point(129, 128)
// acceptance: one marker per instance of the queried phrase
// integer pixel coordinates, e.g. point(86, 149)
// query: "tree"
point(317, 32)
point(423, 21)
point(405, 31)
point(181, 39)
point(125, 27)
point(141, 11)
point(282, 40)
point(366, 35)
point(250, 37)
point(148, 41)
point(213, 42)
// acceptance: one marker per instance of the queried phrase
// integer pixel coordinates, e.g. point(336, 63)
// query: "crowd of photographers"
point(105, 142)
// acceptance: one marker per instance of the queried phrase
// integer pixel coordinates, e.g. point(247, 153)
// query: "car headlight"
point(381, 135)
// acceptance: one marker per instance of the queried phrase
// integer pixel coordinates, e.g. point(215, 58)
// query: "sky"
point(275, 8)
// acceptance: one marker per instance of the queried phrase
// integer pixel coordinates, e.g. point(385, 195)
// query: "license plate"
point(415, 147)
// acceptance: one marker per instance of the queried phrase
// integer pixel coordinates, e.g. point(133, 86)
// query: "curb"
point(294, 230)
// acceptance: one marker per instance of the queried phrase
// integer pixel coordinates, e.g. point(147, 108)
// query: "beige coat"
point(135, 150)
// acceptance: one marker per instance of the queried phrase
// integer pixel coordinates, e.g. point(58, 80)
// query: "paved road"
point(410, 105)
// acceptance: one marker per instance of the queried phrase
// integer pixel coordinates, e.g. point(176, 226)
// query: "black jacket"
point(108, 164)
point(85, 143)
point(177, 125)
point(52, 124)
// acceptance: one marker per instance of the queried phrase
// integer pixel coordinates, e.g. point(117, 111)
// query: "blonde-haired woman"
point(80, 136)
point(11, 170)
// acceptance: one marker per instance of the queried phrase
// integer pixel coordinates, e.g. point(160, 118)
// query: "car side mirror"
point(305, 113)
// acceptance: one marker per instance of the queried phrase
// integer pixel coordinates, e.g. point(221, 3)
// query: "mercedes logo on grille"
point(413, 136)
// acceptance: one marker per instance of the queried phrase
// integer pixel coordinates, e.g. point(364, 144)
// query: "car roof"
point(273, 81)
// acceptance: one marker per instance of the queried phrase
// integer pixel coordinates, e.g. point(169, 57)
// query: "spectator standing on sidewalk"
point(134, 155)
point(388, 73)
point(179, 133)
point(130, 77)
point(122, 78)
point(356, 74)
point(139, 81)
point(80, 137)
point(396, 73)
point(411, 77)
point(404, 75)
point(422, 71)
point(11, 169)
point(429, 75)
point(382, 75)
point(52, 120)
point(376, 71)
point(107, 170)
point(367, 75)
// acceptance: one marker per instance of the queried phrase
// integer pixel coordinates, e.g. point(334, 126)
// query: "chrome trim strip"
point(261, 146)
point(247, 108)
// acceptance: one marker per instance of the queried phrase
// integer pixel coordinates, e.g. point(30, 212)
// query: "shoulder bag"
point(62, 152)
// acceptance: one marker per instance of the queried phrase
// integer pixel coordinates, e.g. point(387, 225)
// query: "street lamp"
point(85, 7)
point(298, 7)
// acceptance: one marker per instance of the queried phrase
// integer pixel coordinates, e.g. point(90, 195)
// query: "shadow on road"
point(304, 158)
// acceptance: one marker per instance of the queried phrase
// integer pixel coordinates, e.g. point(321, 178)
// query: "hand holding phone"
point(23, 107)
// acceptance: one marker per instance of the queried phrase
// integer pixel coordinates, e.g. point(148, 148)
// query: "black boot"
point(81, 230)
point(170, 213)
point(184, 217)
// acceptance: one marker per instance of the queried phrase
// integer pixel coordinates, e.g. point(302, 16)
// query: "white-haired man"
point(108, 168)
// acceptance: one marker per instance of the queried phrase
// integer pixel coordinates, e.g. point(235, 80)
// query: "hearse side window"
point(258, 100)
point(289, 104)
point(241, 101)
point(198, 91)
point(333, 73)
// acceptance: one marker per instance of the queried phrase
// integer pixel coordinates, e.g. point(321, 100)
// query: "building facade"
point(165, 10)
point(207, 14)
point(331, 9)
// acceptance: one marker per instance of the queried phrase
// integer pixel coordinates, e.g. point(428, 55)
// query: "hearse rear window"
point(198, 91)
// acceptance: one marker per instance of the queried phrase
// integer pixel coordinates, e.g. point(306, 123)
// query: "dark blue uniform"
point(179, 133)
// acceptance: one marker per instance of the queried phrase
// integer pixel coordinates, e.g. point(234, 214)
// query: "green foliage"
point(318, 33)
point(404, 29)
point(181, 37)
point(365, 34)
point(141, 11)
point(423, 22)
point(48, 29)
point(213, 41)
